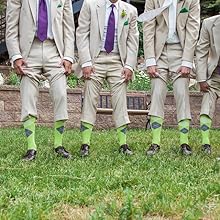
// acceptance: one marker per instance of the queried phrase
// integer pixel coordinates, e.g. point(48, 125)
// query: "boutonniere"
point(126, 22)
point(123, 13)
point(60, 5)
point(184, 10)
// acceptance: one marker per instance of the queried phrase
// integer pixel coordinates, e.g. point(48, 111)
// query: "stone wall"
point(10, 108)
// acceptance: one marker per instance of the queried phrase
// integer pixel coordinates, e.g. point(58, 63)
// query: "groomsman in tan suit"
point(40, 42)
point(169, 41)
point(208, 74)
point(107, 41)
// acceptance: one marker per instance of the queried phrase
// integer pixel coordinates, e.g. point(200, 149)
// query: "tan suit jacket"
point(156, 31)
point(22, 26)
point(208, 48)
point(90, 32)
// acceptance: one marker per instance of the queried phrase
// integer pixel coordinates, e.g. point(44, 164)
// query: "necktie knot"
point(112, 6)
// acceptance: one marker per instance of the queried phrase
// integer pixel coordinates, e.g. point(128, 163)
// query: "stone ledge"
point(10, 109)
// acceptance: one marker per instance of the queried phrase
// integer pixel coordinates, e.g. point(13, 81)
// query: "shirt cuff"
point(202, 80)
point(86, 64)
point(128, 67)
point(69, 59)
point(187, 64)
point(16, 57)
point(150, 62)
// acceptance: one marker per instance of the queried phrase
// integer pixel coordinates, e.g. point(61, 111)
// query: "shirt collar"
point(108, 4)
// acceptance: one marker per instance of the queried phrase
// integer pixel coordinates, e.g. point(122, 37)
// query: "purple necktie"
point(110, 36)
point(42, 21)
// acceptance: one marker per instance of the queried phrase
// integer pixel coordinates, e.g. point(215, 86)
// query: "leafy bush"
point(2, 5)
point(73, 82)
point(209, 8)
point(141, 82)
point(13, 79)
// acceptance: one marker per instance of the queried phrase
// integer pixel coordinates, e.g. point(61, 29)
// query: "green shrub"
point(73, 82)
point(2, 6)
point(141, 82)
point(13, 79)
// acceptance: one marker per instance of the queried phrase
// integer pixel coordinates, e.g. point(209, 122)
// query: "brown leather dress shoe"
point(124, 149)
point(61, 151)
point(30, 155)
point(84, 150)
point(153, 149)
point(185, 149)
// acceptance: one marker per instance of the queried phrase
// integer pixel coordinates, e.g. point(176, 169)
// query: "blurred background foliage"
point(2, 5)
point(209, 8)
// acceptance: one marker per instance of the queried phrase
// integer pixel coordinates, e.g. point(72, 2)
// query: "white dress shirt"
point(172, 34)
point(49, 29)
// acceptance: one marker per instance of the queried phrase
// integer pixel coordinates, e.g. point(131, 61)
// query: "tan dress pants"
point(109, 67)
point(168, 64)
point(44, 62)
point(210, 97)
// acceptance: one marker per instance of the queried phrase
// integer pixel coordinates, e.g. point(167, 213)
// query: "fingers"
point(153, 74)
point(205, 88)
point(152, 71)
point(127, 74)
point(67, 66)
point(68, 70)
point(87, 71)
point(185, 71)
point(19, 70)
point(18, 66)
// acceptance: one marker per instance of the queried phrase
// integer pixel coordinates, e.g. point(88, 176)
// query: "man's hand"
point(185, 71)
point(87, 71)
point(127, 74)
point(152, 71)
point(204, 86)
point(19, 64)
point(67, 66)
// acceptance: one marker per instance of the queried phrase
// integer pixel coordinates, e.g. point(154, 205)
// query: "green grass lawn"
point(107, 185)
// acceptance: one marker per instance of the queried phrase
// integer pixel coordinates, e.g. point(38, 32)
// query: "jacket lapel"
point(33, 6)
point(54, 4)
point(179, 6)
point(216, 34)
point(165, 12)
point(120, 19)
point(101, 16)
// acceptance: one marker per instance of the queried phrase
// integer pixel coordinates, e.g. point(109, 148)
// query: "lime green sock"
point(184, 131)
point(86, 130)
point(121, 132)
point(156, 127)
point(29, 128)
point(58, 133)
point(205, 125)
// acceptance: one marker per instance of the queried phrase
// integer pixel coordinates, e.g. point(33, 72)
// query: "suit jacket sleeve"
point(12, 27)
point(132, 42)
point(202, 53)
point(68, 30)
point(192, 31)
point(149, 29)
point(82, 34)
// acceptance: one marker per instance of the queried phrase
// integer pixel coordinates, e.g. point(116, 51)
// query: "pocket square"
point(126, 23)
point(184, 10)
